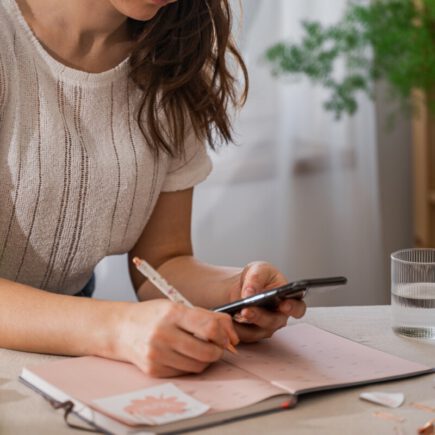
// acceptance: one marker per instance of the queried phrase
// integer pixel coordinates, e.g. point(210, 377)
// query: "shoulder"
point(7, 30)
point(7, 50)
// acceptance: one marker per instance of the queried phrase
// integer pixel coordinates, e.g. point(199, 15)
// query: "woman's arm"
point(161, 338)
point(38, 321)
point(166, 244)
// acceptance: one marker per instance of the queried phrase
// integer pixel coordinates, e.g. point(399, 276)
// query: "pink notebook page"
point(222, 386)
point(303, 358)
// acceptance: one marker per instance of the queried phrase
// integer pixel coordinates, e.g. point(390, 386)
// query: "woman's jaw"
point(141, 10)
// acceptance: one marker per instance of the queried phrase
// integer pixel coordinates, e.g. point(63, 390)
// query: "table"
point(332, 412)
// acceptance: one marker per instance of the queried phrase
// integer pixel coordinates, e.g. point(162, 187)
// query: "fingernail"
point(240, 319)
point(232, 349)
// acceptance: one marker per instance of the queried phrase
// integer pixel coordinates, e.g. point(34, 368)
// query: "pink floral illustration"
point(152, 406)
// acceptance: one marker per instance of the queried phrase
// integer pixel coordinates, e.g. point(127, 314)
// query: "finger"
point(161, 371)
point(260, 276)
point(184, 364)
point(269, 320)
point(293, 307)
point(157, 369)
point(255, 279)
point(196, 349)
point(227, 323)
point(158, 358)
point(209, 326)
point(251, 333)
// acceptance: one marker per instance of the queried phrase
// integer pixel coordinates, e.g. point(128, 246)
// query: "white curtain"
point(299, 189)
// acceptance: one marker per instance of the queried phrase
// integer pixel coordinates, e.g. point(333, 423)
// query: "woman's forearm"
point(203, 284)
point(38, 321)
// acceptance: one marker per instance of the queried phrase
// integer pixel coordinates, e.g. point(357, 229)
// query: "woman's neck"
point(90, 35)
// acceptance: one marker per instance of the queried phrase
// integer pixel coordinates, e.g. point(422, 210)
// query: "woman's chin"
point(137, 10)
point(145, 15)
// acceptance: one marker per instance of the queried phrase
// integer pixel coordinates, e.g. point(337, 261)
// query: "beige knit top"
point(77, 181)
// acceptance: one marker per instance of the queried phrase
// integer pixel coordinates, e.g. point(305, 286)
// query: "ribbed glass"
point(413, 292)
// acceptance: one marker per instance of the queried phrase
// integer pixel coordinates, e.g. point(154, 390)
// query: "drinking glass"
point(413, 292)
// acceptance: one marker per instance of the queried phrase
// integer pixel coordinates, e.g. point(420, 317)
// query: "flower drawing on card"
point(153, 406)
point(156, 405)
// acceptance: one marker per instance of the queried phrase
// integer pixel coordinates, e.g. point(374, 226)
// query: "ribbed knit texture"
point(77, 181)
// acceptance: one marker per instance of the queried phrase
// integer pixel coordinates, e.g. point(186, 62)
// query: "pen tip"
point(137, 261)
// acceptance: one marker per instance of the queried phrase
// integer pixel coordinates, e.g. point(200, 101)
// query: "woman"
point(104, 107)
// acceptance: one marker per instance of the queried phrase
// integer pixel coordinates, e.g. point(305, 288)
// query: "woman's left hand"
point(260, 323)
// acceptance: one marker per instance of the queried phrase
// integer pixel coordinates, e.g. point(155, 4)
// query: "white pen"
point(168, 290)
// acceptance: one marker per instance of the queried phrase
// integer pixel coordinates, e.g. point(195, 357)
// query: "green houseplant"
point(385, 39)
point(392, 40)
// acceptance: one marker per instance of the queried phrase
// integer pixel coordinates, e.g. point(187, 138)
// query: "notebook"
point(264, 377)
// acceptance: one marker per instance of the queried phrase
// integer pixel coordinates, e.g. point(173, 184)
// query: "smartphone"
point(270, 299)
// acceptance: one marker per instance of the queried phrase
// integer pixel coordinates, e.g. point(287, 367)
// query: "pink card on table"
point(157, 405)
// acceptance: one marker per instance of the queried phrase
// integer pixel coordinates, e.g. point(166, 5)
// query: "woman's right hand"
point(166, 339)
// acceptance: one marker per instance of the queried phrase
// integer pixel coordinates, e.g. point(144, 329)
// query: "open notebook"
point(264, 376)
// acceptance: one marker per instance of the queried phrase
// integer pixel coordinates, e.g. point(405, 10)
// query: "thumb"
point(254, 279)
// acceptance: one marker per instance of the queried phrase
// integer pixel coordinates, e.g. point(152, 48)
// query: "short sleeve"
point(190, 169)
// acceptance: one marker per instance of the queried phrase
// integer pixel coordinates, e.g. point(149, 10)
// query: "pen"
point(168, 290)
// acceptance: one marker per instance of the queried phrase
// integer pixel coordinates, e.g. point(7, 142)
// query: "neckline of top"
point(63, 71)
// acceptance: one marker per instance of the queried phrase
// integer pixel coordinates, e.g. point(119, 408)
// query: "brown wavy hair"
point(182, 66)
